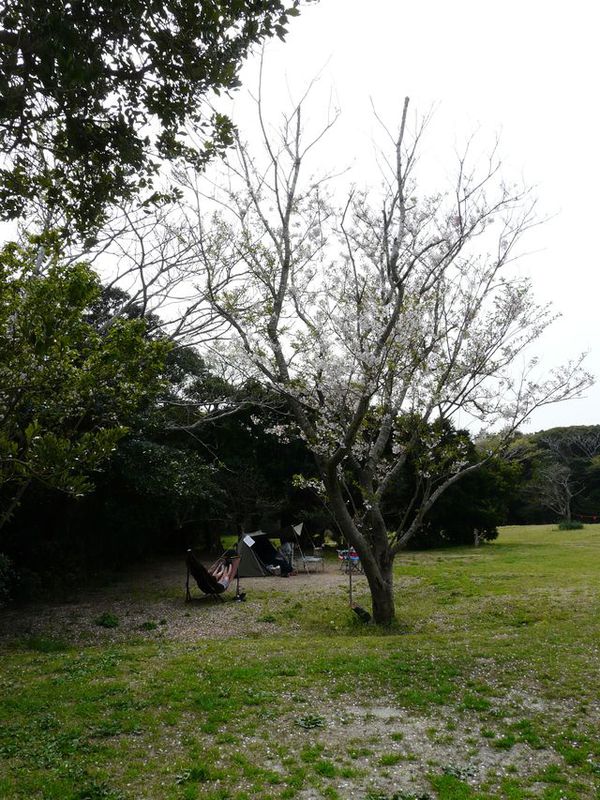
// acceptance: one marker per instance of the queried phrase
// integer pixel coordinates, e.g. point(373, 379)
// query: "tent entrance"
point(256, 553)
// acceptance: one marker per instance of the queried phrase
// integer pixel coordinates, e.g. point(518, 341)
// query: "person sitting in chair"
point(287, 547)
point(286, 569)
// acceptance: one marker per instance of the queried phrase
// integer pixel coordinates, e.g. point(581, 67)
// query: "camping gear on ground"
point(350, 561)
point(363, 615)
point(259, 558)
point(313, 562)
point(316, 560)
point(205, 578)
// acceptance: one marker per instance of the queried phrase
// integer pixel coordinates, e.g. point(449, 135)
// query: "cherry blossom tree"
point(379, 322)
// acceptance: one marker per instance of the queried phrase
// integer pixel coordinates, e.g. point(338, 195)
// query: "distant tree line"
point(560, 476)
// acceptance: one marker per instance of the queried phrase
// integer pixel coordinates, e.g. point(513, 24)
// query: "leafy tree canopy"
point(93, 94)
point(67, 389)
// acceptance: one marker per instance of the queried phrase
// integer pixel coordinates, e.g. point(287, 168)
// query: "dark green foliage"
point(570, 525)
point(46, 644)
point(259, 470)
point(197, 774)
point(571, 454)
point(93, 95)
point(471, 507)
point(398, 796)
point(97, 791)
point(68, 389)
point(107, 620)
point(311, 721)
point(165, 487)
point(477, 503)
point(325, 768)
point(72, 389)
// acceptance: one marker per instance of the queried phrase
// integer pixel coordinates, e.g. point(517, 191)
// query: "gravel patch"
point(149, 602)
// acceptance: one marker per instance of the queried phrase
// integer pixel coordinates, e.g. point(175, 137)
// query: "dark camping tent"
point(256, 553)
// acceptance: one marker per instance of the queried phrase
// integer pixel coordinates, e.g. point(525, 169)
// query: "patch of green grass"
point(359, 752)
point(553, 773)
point(493, 648)
point(107, 620)
point(97, 791)
point(512, 791)
point(325, 768)
point(449, 787)
point(475, 703)
point(148, 626)
point(196, 774)
point(371, 795)
point(46, 644)
point(311, 753)
point(527, 731)
point(504, 742)
point(390, 759)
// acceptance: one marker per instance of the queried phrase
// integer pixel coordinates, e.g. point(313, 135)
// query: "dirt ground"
point(155, 593)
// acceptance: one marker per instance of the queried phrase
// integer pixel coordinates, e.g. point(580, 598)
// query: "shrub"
point(311, 721)
point(107, 620)
point(570, 525)
point(197, 774)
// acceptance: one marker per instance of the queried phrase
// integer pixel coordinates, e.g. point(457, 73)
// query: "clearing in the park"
point(487, 689)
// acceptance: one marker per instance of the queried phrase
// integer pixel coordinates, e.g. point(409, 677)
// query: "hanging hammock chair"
point(205, 577)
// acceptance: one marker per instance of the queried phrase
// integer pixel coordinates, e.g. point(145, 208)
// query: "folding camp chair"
point(350, 561)
point(314, 562)
point(205, 578)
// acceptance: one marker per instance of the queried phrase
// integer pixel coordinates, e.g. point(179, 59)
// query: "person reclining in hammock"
point(224, 573)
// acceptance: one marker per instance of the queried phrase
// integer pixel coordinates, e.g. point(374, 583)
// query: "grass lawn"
point(489, 688)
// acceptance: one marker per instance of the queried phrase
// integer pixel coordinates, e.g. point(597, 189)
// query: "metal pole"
point(350, 581)
point(349, 566)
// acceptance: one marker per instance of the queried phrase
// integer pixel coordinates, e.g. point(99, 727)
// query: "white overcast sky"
point(527, 70)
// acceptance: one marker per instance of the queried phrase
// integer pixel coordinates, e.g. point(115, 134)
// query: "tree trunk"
point(373, 549)
point(381, 585)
